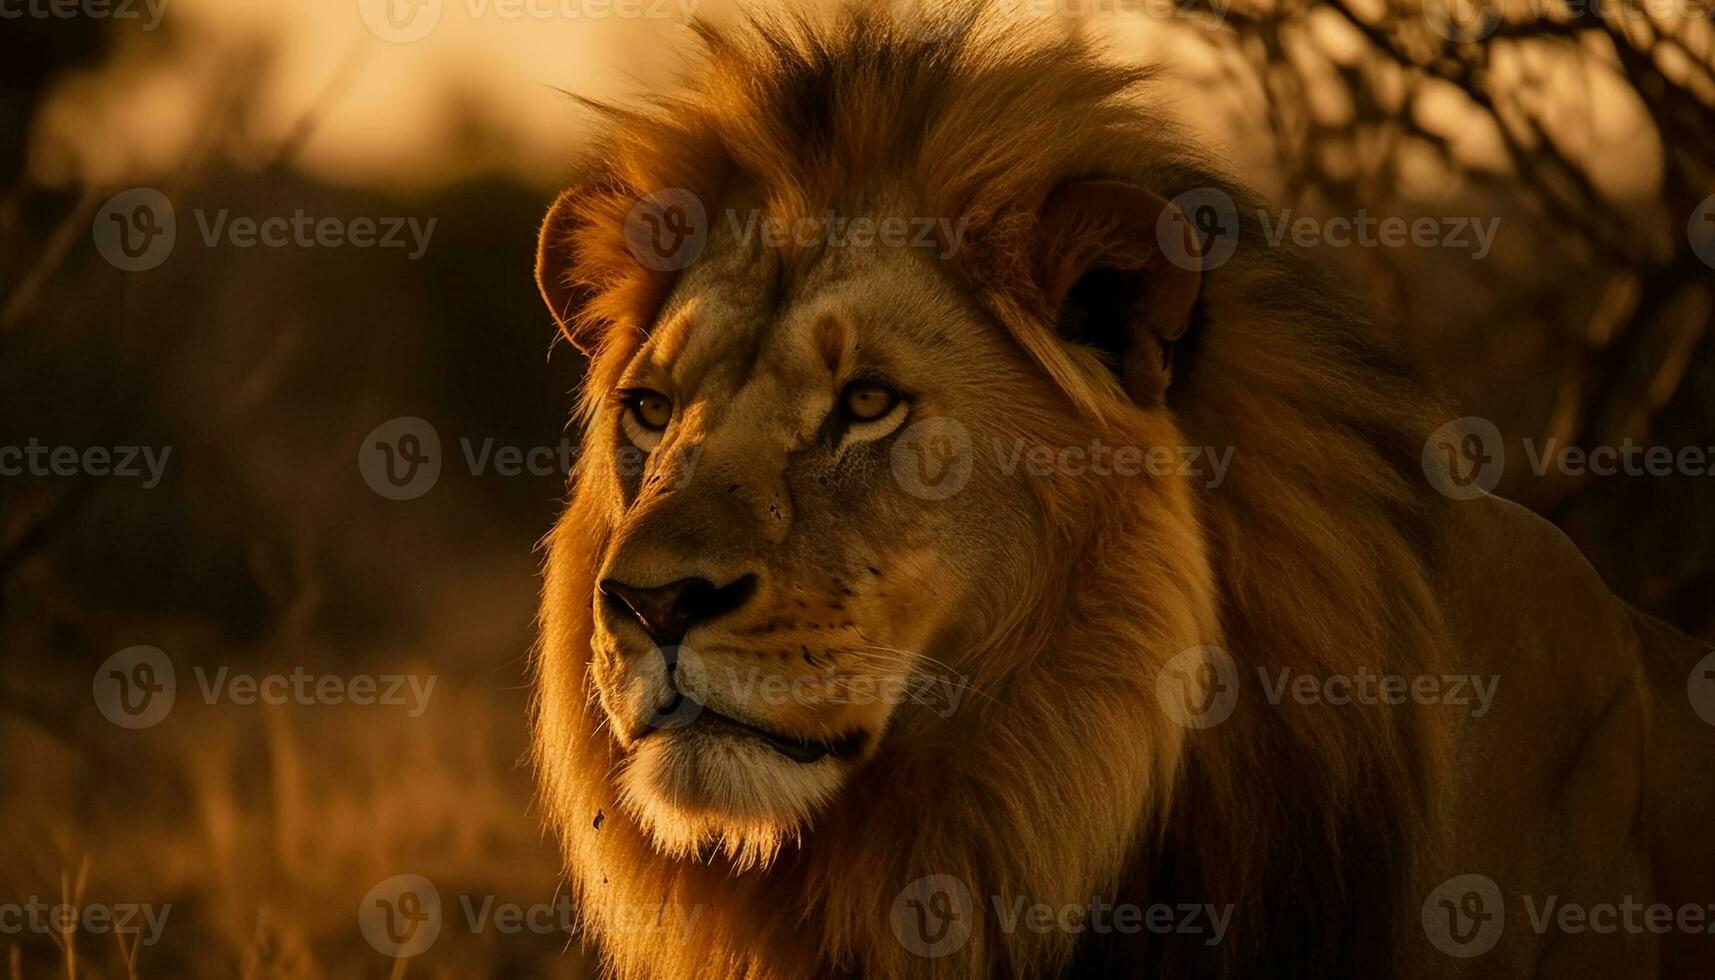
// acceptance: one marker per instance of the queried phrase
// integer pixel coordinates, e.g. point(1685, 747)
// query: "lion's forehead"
point(771, 365)
point(718, 330)
point(749, 373)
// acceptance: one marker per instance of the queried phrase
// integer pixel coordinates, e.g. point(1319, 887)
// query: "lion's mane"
point(1311, 555)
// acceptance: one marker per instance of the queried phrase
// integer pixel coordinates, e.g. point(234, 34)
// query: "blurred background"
point(268, 539)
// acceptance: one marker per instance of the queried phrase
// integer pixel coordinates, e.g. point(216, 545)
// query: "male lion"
point(858, 660)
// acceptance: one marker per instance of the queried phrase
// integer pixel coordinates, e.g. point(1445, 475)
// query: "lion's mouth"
point(799, 749)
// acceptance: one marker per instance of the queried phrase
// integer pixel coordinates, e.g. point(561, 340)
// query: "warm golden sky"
point(390, 105)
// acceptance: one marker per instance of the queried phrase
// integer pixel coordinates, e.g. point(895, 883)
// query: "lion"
point(865, 651)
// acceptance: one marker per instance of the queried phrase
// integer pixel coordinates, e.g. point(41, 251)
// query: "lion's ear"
point(556, 262)
point(1104, 267)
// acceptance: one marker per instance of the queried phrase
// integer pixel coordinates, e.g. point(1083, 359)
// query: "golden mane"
point(1311, 555)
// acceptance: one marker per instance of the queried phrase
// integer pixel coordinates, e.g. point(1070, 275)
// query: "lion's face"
point(806, 525)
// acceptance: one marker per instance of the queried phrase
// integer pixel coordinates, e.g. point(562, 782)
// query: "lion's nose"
point(667, 612)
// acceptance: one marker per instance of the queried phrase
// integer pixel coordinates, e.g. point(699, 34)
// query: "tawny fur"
point(1065, 780)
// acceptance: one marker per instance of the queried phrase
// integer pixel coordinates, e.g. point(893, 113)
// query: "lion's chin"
point(705, 789)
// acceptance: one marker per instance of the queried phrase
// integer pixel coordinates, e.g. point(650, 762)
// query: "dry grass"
point(264, 826)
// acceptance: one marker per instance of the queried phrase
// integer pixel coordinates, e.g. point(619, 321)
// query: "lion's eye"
point(651, 409)
point(644, 416)
point(867, 401)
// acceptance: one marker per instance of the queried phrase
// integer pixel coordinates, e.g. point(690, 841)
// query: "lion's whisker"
point(905, 658)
